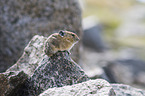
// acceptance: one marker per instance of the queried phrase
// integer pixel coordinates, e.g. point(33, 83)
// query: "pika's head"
point(70, 36)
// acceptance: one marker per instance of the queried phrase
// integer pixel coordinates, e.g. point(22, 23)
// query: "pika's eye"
point(73, 35)
point(61, 33)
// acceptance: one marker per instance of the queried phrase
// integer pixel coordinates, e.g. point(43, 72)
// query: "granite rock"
point(15, 76)
point(126, 90)
point(10, 81)
point(98, 87)
point(55, 71)
point(32, 55)
point(130, 71)
point(40, 71)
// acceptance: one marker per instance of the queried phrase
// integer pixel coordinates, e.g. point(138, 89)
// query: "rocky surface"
point(92, 62)
point(126, 90)
point(57, 71)
point(58, 75)
point(45, 72)
point(98, 87)
point(14, 77)
point(10, 81)
point(21, 20)
point(32, 55)
point(131, 72)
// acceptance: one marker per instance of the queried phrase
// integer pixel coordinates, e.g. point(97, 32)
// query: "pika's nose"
point(77, 39)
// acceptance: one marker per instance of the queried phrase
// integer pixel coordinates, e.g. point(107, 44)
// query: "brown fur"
point(64, 40)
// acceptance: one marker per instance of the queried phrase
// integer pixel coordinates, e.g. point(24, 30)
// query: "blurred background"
point(114, 40)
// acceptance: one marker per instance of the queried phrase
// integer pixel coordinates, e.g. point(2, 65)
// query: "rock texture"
point(20, 20)
point(36, 72)
point(14, 77)
point(126, 90)
point(57, 71)
point(10, 81)
point(44, 72)
point(32, 56)
point(98, 87)
point(131, 72)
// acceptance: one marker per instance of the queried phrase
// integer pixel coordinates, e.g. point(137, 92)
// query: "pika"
point(61, 41)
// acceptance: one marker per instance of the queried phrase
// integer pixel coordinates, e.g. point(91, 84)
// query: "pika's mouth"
point(77, 39)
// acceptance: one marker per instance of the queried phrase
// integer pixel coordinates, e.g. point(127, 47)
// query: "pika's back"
point(64, 40)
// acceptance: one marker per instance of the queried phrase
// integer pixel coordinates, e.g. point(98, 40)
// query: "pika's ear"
point(61, 33)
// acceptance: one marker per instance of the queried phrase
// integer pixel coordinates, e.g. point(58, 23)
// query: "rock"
point(21, 20)
point(92, 36)
point(42, 71)
point(95, 73)
point(94, 48)
point(126, 90)
point(98, 87)
point(92, 62)
point(130, 72)
point(14, 77)
point(10, 81)
point(33, 54)
point(56, 71)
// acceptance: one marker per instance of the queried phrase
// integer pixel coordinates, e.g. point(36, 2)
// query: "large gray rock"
point(126, 90)
point(57, 71)
point(131, 72)
point(32, 56)
point(10, 81)
point(98, 87)
point(20, 20)
point(92, 62)
point(92, 35)
point(14, 77)
point(36, 72)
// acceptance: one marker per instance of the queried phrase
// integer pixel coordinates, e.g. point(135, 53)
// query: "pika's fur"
point(64, 40)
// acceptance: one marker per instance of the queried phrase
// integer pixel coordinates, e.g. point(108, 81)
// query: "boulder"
point(92, 35)
point(32, 55)
point(45, 72)
point(15, 76)
point(10, 81)
point(20, 20)
point(98, 87)
point(126, 90)
point(37, 74)
point(131, 71)
point(57, 71)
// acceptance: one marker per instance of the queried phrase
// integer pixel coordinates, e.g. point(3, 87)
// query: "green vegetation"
point(109, 13)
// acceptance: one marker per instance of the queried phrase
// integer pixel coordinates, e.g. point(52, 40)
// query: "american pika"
point(61, 41)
